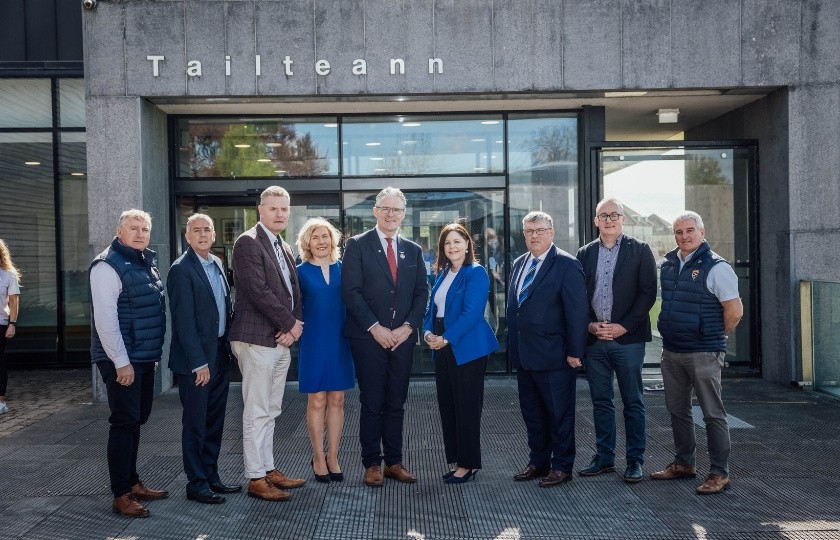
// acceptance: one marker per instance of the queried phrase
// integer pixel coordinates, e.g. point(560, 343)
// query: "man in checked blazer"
point(383, 282)
point(267, 319)
point(547, 315)
point(199, 302)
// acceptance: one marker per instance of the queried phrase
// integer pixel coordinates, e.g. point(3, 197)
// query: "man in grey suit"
point(267, 319)
point(199, 302)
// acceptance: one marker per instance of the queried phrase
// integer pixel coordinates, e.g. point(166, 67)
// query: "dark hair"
point(442, 261)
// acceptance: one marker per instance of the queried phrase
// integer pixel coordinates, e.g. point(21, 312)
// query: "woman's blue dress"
point(324, 360)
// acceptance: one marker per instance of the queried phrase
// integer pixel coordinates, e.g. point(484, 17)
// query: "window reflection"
point(405, 145)
point(258, 148)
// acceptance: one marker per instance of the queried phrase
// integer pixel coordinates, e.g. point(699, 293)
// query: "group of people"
point(357, 320)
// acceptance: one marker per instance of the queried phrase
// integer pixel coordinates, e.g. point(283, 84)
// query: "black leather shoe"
point(633, 473)
point(530, 472)
point(205, 496)
point(597, 466)
point(221, 487)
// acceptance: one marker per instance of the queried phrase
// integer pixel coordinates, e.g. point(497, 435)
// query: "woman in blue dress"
point(325, 367)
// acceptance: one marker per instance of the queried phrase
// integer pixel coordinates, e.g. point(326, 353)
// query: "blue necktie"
point(526, 283)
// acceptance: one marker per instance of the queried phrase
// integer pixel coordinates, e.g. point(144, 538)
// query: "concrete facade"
point(493, 47)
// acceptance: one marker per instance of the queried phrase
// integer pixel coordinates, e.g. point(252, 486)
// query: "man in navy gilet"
point(700, 306)
point(128, 309)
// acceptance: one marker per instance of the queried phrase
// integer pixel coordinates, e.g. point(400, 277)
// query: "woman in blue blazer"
point(456, 330)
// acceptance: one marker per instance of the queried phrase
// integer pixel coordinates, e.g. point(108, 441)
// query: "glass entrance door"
point(655, 184)
point(427, 212)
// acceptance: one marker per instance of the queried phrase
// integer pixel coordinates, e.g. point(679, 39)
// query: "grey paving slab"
point(54, 482)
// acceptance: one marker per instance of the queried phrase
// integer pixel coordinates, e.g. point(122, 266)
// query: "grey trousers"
point(701, 371)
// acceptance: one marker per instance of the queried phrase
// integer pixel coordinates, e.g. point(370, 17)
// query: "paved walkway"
point(786, 484)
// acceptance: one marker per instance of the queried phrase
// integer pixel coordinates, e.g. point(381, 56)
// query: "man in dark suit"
point(199, 301)
point(621, 284)
point(267, 319)
point(384, 286)
point(547, 318)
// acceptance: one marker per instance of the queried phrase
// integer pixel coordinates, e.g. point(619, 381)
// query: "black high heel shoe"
point(335, 476)
point(463, 479)
point(323, 478)
point(450, 472)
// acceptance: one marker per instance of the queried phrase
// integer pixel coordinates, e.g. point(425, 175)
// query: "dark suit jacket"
point(195, 317)
point(368, 288)
point(263, 304)
point(551, 323)
point(634, 287)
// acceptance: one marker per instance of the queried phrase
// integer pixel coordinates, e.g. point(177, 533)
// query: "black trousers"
point(203, 421)
point(4, 373)
point(130, 408)
point(383, 376)
point(460, 393)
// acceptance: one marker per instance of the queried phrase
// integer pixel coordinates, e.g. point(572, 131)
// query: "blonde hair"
point(305, 235)
point(274, 191)
point(134, 214)
point(6, 261)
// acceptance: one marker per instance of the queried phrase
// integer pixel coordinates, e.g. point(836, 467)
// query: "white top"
point(440, 295)
point(721, 280)
point(8, 286)
point(104, 296)
point(526, 266)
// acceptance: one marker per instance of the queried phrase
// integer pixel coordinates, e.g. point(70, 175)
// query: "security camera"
point(89, 4)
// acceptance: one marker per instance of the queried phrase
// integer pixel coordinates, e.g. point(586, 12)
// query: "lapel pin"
point(402, 255)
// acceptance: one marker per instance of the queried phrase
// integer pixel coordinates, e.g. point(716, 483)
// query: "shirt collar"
point(382, 235)
point(618, 240)
point(544, 253)
point(679, 254)
point(269, 233)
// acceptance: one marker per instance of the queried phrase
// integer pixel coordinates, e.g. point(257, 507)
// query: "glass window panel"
point(656, 184)
point(406, 145)
point(71, 102)
point(482, 213)
point(27, 224)
point(74, 241)
point(258, 148)
point(543, 159)
point(825, 320)
point(25, 103)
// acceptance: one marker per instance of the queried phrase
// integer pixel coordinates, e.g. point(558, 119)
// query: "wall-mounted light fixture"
point(668, 116)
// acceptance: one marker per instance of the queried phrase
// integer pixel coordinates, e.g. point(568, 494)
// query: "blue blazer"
point(467, 331)
point(369, 291)
point(552, 322)
point(195, 318)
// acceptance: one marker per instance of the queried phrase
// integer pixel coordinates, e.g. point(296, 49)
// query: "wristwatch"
point(445, 342)
point(12, 323)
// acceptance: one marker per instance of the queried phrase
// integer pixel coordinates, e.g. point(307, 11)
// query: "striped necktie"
point(526, 283)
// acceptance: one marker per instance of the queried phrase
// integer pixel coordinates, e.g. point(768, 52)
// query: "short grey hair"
point(274, 191)
point(390, 192)
point(200, 216)
point(607, 201)
point(688, 214)
point(134, 214)
point(533, 217)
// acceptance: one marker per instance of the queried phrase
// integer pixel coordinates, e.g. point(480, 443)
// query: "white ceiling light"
point(668, 116)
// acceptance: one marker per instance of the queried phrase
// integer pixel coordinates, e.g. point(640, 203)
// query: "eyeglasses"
point(532, 232)
point(389, 210)
point(612, 217)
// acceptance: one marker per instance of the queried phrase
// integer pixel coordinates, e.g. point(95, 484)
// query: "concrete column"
point(131, 173)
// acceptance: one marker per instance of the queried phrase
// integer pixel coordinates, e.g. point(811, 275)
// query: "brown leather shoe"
point(555, 478)
point(673, 471)
point(373, 476)
point(262, 488)
point(399, 472)
point(127, 505)
point(282, 481)
point(714, 483)
point(143, 493)
point(530, 472)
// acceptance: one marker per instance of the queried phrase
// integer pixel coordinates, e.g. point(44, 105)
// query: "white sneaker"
point(3, 407)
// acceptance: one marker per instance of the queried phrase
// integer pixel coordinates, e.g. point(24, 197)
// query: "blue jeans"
point(602, 360)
